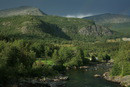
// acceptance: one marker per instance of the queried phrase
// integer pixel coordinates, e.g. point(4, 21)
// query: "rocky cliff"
point(95, 30)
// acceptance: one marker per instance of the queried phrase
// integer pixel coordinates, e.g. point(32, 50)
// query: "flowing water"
point(83, 78)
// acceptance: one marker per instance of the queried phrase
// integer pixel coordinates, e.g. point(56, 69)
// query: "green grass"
point(46, 62)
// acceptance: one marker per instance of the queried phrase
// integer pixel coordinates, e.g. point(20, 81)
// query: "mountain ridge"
point(22, 10)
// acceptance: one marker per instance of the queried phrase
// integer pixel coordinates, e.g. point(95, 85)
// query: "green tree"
point(122, 61)
point(106, 58)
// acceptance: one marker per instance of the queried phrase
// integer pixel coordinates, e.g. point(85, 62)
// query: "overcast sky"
point(70, 8)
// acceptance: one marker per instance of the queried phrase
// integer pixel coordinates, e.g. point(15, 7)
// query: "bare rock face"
point(24, 10)
point(95, 30)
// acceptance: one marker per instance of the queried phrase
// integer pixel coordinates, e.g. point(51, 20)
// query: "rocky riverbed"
point(58, 81)
point(123, 80)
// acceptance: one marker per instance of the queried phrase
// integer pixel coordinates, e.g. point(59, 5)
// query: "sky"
point(72, 8)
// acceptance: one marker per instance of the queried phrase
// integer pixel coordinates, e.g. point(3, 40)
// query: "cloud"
point(79, 15)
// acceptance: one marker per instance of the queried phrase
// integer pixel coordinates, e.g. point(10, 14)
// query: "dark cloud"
point(66, 7)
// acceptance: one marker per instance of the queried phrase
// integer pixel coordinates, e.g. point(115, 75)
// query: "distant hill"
point(23, 10)
point(116, 22)
point(109, 18)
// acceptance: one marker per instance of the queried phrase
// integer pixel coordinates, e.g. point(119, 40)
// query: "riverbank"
point(58, 81)
point(77, 76)
point(123, 80)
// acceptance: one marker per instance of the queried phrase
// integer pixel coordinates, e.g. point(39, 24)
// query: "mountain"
point(23, 10)
point(48, 27)
point(109, 18)
point(116, 22)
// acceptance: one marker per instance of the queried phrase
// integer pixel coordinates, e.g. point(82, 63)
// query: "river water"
point(85, 78)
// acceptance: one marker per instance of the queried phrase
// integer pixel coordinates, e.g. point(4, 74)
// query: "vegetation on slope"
point(28, 27)
point(52, 28)
point(80, 29)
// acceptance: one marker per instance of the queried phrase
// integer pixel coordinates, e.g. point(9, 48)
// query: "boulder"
point(97, 75)
point(83, 67)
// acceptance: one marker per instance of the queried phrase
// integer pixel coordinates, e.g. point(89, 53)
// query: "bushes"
point(121, 69)
point(106, 57)
point(68, 57)
point(62, 55)
point(17, 58)
point(15, 62)
point(122, 61)
point(14, 57)
point(116, 70)
point(42, 70)
point(39, 49)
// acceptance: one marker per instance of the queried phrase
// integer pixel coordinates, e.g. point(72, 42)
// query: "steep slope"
point(24, 10)
point(95, 30)
point(116, 22)
point(80, 29)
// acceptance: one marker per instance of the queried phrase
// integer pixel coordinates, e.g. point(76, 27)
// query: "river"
point(85, 78)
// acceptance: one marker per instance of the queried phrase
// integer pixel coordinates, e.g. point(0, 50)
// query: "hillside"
point(51, 27)
point(32, 25)
point(116, 22)
point(23, 10)
point(80, 29)
point(28, 27)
